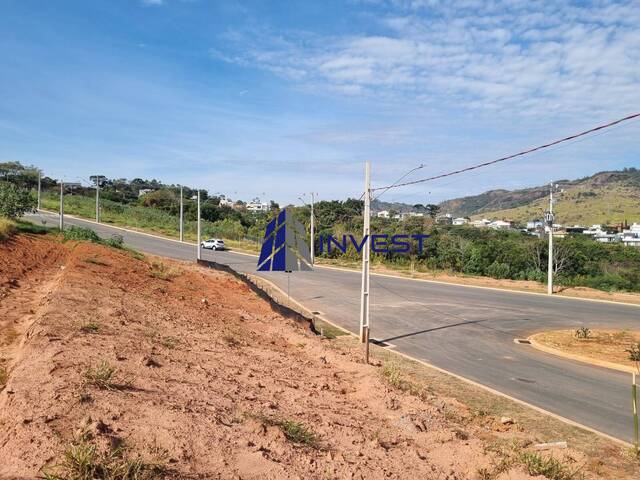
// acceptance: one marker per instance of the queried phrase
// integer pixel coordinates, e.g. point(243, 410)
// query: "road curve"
point(465, 330)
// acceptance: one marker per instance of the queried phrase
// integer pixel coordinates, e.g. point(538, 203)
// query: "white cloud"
point(508, 56)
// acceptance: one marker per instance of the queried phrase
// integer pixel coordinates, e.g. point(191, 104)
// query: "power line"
point(509, 157)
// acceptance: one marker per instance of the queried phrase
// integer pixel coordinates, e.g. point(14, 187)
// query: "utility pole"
point(181, 216)
point(313, 248)
point(549, 218)
point(39, 188)
point(61, 205)
point(198, 242)
point(97, 198)
point(366, 251)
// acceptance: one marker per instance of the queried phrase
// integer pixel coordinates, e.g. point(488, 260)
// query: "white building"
point(226, 202)
point(383, 214)
point(256, 207)
point(144, 191)
point(460, 221)
point(481, 223)
point(631, 237)
point(500, 225)
point(405, 215)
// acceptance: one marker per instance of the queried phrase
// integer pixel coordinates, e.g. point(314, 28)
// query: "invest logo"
point(284, 248)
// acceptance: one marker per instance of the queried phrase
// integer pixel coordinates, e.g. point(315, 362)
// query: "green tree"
point(15, 201)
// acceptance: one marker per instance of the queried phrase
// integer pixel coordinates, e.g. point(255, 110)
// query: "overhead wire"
point(515, 155)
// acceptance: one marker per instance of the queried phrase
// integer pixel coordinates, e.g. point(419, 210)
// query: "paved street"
point(466, 330)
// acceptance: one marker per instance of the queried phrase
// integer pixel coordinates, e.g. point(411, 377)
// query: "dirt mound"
point(184, 373)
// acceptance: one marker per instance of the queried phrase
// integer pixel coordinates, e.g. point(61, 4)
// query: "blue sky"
point(273, 99)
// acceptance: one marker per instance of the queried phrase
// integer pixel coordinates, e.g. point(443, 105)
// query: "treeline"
point(578, 260)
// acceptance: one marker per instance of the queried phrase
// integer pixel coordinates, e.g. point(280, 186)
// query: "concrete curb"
point(578, 358)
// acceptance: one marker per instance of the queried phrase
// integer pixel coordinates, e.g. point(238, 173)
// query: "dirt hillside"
point(141, 369)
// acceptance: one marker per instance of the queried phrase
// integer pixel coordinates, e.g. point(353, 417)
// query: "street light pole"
point(97, 198)
point(198, 242)
point(39, 188)
point(313, 248)
point(61, 205)
point(181, 215)
point(366, 251)
point(550, 223)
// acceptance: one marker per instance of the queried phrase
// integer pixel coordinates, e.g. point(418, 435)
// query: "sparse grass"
point(90, 327)
point(7, 228)
point(548, 466)
point(583, 333)
point(4, 376)
point(170, 342)
point(393, 375)
point(95, 260)
point(161, 271)
point(329, 331)
point(294, 431)
point(102, 376)
point(84, 461)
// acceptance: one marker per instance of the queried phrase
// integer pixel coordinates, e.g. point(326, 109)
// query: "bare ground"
point(188, 373)
point(607, 345)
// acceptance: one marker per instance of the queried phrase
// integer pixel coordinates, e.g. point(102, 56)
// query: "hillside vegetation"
point(606, 197)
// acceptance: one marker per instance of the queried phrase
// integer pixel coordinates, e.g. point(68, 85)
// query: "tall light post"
point(312, 226)
point(97, 199)
point(199, 231)
point(550, 219)
point(181, 215)
point(39, 188)
point(366, 251)
point(61, 205)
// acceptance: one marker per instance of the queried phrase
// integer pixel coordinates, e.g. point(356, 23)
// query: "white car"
point(213, 244)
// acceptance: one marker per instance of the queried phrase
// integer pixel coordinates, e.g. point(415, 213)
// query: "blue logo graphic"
point(284, 248)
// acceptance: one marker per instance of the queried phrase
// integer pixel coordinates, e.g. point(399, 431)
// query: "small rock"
point(507, 421)
point(149, 361)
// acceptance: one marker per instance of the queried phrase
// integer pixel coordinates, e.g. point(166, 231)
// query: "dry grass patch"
point(603, 345)
point(83, 460)
point(163, 272)
point(103, 376)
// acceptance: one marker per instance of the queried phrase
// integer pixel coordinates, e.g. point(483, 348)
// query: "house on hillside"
point(481, 223)
point(143, 191)
point(446, 219)
point(226, 202)
point(500, 225)
point(383, 214)
point(461, 221)
point(257, 206)
point(631, 236)
point(535, 224)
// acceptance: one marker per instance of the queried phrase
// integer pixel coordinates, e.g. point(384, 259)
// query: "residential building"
point(226, 202)
point(461, 221)
point(144, 191)
point(535, 224)
point(500, 225)
point(446, 219)
point(256, 207)
point(481, 223)
point(383, 214)
point(631, 236)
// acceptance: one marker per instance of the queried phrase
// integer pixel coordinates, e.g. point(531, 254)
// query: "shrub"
point(7, 227)
point(15, 201)
point(499, 270)
point(583, 332)
point(80, 233)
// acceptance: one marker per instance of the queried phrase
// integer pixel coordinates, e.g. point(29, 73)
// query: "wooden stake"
point(366, 344)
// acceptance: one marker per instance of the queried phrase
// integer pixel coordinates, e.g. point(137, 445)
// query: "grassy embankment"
point(143, 218)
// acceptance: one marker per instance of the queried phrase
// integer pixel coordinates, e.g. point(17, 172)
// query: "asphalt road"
point(465, 330)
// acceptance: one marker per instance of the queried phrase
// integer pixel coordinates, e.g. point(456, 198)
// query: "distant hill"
point(607, 197)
